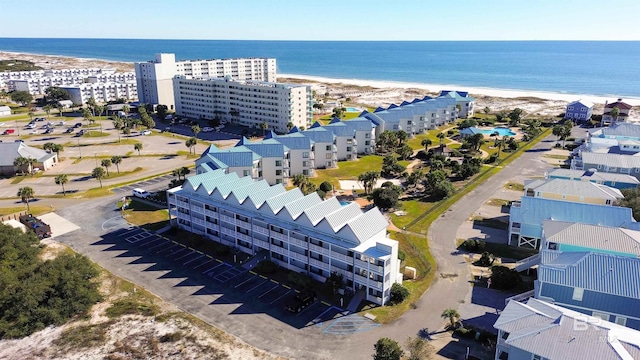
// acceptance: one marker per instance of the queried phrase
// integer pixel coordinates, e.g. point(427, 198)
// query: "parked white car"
point(31, 126)
point(61, 123)
point(207, 129)
point(1, 124)
point(34, 132)
point(145, 132)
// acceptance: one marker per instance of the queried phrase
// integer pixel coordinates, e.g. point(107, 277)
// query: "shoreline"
point(61, 61)
point(472, 90)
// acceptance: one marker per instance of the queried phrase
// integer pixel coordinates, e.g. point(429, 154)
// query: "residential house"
point(298, 232)
point(537, 330)
point(577, 237)
point(9, 151)
point(274, 159)
point(239, 159)
point(300, 157)
point(579, 111)
point(527, 215)
point(576, 191)
point(594, 283)
point(608, 163)
point(464, 103)
point(365, 134)
point(623, 112)
point(614, 180)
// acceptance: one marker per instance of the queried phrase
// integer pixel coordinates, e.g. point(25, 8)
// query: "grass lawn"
point(514, 186)
point(147, 216)
point(348, 170)
point(93, 134)
point(35, 209)
point(414, 208)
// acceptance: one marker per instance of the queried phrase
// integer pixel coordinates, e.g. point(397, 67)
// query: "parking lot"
point(258, 292)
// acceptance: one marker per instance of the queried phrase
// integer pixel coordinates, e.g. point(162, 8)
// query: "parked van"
point(143, 194)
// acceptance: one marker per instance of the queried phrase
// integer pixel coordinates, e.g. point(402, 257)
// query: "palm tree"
point(452, 315)
point(176, 173)
point(615, 112)
point(137, 147)
point(59, 108)
point(26, 193)
point(126, 109)
point(118, 123)
point(290, 126)
point(264, 126)
point(190, 143)
point(368, 180)
point(557, 130)
point(92, 104)
point(98, 173)
point(499, 144)
point(30, 162)
point(31, 113)
point(86, 114)
point(184, 171)
point(195, 129)
point(440, 137)
point(487, 110)
point(426, 143)
point(402, 136)
point(47, 109)
point(106, 163)
point(116, 160)
point(61, 180)
point(20, 162)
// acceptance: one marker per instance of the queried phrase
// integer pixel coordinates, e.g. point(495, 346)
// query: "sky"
point(323, 20)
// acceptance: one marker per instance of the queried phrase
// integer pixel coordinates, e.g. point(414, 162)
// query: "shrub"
point(398, 293)
point(503, 278)
point(299, 280)
point(387, 349)
point(492, 159)
point(450, 132)
point(129, 306)
point(401, 255)
point(171, 337)
point(485, 260)
point(326, 186)
point(474, 245)
point(266, 267)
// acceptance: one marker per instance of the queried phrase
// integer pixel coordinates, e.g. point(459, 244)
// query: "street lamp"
point(79, 148)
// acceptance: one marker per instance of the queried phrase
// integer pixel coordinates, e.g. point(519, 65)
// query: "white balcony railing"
point(211, 213)
point(319, 264)
point(341, 257)
point(198, 209)
point(260, 230)
point(295, 255)
point(262, 244)
point(319, 249)
point(228, 219)
point(278, 236)
point(297, 242)
point(198, 221)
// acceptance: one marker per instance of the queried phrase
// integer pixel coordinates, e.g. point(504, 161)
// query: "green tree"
point(387, 349)
point(53, 147)
point(441, 137)
point(106, 163)
point(487, 110)
point(452, 315)
point(86, 114)
point(31, 113)
point(126, 131)
point(398, 293)
point(92, 105)
point(426, 143)
point(264, 126)
point(25, 194)
point(614, 113)
point(515, 116)
point(126, 109)
point(138, 147)
point(402, 137)
point(20, 162)
point(338, 112)
point(503, 278)
point(303, 183)
point(190, 143)
point(418, 349)
point(162, 111)
point(61, 180)
point(631, 200)
point(386, 197)
point(290, 126)
point(387, 141)
point(47, 109)
point(55, 94)
point(118, 123)
point(195, 129)
point(98, 173)
point(558, 130)
point(116, 160)
point(59, 108)
point(368, 180)
point(21, 97)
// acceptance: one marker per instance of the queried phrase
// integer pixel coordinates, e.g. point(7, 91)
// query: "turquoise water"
point(345, 203)
point(573, 67)
point(500, 130)
point(352, 109)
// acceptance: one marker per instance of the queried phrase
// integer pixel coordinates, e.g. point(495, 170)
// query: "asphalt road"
point(255, 325)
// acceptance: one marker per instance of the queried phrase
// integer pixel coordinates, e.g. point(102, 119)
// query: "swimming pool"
point(353, 109)
point(502, 131)
point(345, 203)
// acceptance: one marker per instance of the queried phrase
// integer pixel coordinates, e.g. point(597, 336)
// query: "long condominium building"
point(298, 232)
point(155, 77)
point(244, 102)
point(102, 92)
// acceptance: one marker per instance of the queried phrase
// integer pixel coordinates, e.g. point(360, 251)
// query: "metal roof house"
point(466, 103)
point(608, 162)
point(298, 232)
point(614, 180)
point(577, 237)
point(576, 191)
point(9, 151)
point(579, 111)
point(539, 330)
point(597, 284)
point(526, 217)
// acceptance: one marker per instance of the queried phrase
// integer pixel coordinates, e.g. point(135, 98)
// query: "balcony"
point(198, 221)
point(345, 274)
point(279, 250)
point(300, 243)
point(224, 230)
point(198, 209)
point(212, 226)
point(182, 204)
point(213, 214)
point(260, 243)
point(341, 257)
point(319, 249)
point(243, 224)
point(297, 256)
point(260, 230)
point(278, 236)
point(360, 279)
point(319, 264)
point(228, 219)
point(243, 237)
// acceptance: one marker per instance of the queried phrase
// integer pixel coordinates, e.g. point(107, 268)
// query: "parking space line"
point(252, 272)
point(325, 303)
point(171, 249)
point(280, 297)
point(146, 242)
point(177, 251)
point(249, 279)
point(255, 287)
point(268, 291)
point(212, 268)
point(204, 263)
point(192, 260)
point(264, 277)
point(156, 246)
point(286, 286)
point(185, 255)
point(275, 282)
point(220, 261)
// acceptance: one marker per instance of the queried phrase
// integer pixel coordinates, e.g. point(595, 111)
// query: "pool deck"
point(518, 134)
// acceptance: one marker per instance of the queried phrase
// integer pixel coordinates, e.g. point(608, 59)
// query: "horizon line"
point(325, 40)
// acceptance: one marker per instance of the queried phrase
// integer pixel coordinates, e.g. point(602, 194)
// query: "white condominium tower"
point(155, 77)
point(248, 103)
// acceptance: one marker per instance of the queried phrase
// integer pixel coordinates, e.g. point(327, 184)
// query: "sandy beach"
point(379, 93)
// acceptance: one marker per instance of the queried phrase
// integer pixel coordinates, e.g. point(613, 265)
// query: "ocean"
point(599, 68)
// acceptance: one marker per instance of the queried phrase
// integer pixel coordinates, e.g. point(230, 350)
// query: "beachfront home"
point(568, 236)
point(365, 134)
point(608, 163)
point(593, 283)
point(527, 215)
point(297, 232)
point(301, 158)
point(623, 112)
point(5, 111)
point(274, 159)
point(538, 330)
point(464, 103)
point(155, 84)
point(244, 102)
point(579, 111)
point(575, 191)
point(618, 181)
point(344, 139)
point(9, 151)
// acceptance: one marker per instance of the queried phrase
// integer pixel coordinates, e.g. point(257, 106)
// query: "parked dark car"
point(79, 133)
point(300, 301)
point(77, 125)
point(69, 130)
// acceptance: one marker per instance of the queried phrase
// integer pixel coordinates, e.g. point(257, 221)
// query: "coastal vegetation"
point(18, 65)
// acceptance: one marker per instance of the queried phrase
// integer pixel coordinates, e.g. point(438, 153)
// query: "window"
point(328, 156)
point(305, 154)
point(278, 162)
point(577, 294)
point(328, 148)
point(600, 315)
point(278, 172)
point(305, 163)
point(621, 320)
point(246, 173)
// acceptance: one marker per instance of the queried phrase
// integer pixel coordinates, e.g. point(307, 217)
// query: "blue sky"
point(324, 20)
